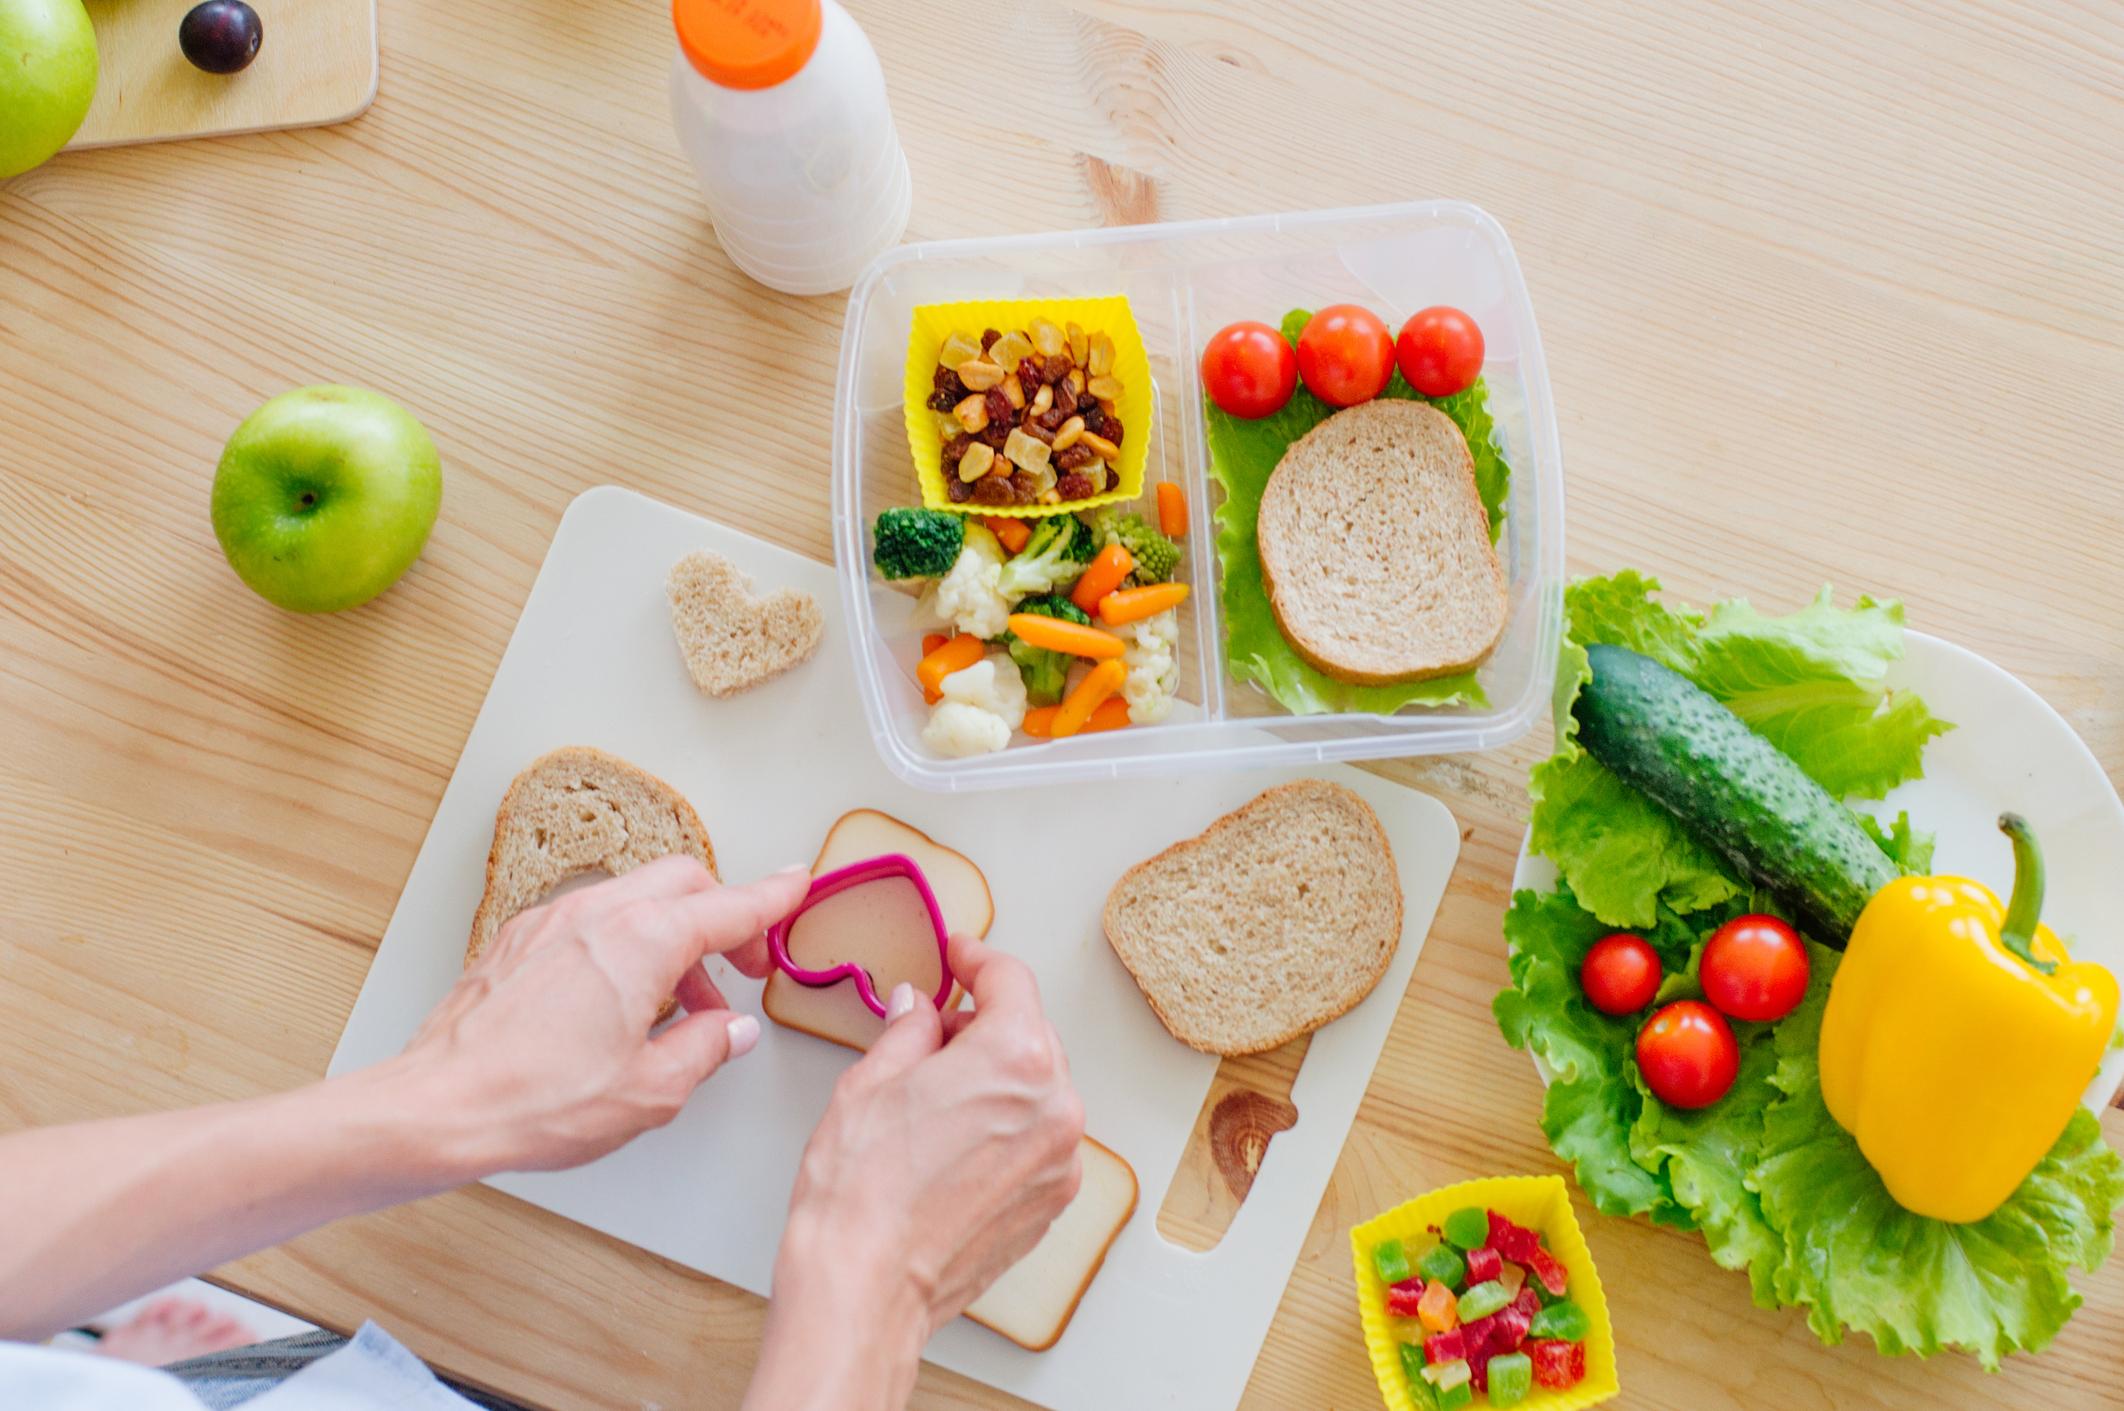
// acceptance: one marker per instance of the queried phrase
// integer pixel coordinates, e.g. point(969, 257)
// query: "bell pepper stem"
point(2025, 907)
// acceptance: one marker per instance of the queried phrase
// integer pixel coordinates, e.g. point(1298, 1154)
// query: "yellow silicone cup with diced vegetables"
point(1541, 1204)
point(1108, 314)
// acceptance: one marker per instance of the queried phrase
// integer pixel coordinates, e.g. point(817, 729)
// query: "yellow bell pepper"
point(1960, 1035)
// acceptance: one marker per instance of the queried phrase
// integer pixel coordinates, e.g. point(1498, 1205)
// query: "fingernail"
point(901, 1004)
point(794, 869)
point(744, 1035)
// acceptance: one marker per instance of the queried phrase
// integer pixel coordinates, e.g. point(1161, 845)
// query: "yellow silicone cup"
point(1540, 1203)
point(1109, 314)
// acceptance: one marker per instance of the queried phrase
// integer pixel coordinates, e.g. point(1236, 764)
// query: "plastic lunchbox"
point(1183, 282)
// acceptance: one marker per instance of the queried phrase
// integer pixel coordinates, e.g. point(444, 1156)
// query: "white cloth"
point(371, 1373)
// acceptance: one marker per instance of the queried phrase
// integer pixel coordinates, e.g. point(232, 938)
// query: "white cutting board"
point(593, 662)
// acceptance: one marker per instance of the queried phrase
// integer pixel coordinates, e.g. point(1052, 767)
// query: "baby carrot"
point(1172, 510)
point(1011, 533)
point(959, 653)
point(1076, 709)
point(1125, 605)
point(1112, 714)
point(1106, 573)
point(1071, 638)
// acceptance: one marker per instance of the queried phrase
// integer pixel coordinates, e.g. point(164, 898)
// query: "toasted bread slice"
point(1277, 919)
point(573, 811)
point(837, 1013)
point(1375, 547)
point(731, 639)
point(1037, 1296)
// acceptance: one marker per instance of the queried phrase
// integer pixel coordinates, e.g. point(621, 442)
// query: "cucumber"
point(1731, 789)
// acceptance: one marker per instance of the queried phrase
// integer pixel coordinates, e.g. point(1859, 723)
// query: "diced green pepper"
point(1442, 1264)
point(1483, 1300)
point(1468, 1228)
point(1456, 1398)
point(1511, 1378)
point(1563, 1321)
point(1391, 1260)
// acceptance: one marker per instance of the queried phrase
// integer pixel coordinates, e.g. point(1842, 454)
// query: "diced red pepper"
point(1512, 1241)
point(1547, 1268)
point(1508, 1328)
point(1529, 1301)
point(1440, 1348)
point(1557, 1364)
point(1402, 1298)
point(1484, 1265)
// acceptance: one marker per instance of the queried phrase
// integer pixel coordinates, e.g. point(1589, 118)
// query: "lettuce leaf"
point(1860, 1261)
point(1811, 682)
point(1242, 456)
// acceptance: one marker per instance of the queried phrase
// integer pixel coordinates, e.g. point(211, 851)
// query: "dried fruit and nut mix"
point(1028, 415)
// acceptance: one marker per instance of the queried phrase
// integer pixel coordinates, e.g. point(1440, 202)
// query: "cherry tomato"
point(1440, 351)
point(1621, 974)
point(1688, 1054)
point(1249, 370)
point(1755, 967)
point(1345, 355)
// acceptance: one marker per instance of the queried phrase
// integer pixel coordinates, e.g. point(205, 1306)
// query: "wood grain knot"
point(1240, 1128)
point(1121, 195)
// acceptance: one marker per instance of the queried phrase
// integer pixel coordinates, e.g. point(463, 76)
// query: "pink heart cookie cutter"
point(856, 874)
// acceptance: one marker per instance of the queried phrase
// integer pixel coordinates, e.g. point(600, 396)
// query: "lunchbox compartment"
point(1184, 282)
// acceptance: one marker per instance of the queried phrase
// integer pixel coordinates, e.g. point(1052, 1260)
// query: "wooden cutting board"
point(318, 64)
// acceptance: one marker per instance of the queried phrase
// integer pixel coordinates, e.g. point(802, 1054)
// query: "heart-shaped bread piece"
point(731, 639)
point(1281, 916)
point(574, 811)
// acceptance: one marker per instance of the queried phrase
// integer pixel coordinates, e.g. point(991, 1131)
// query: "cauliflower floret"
point(999, 691)
point(982, 705)
point(1153, 666)
point(970, 597)
point(956, 730)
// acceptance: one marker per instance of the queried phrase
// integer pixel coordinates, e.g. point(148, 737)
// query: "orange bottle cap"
point(747, 43)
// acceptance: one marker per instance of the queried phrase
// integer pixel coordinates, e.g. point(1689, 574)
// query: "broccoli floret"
point(1052, 559)
point(1045, 673)
point(918, 543)
point(1156, 556)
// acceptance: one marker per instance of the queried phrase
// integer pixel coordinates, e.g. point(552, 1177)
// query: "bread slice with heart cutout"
point(731, 639)
point(573, 811)
point(1280, 917)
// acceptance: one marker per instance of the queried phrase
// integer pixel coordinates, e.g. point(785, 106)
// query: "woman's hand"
point(939, 1164)
point(542, 1052)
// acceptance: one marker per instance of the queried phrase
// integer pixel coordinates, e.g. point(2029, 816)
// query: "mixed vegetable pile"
point(1708, 864)
point(1030, 604)
point(1256, 408)
point(1486, 1309)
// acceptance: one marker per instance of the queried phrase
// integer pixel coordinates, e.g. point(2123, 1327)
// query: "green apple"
point(325, 496)
point(47, 77)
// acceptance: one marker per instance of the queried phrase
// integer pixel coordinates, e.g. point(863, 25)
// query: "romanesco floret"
point(1052, 559)
point(1153, 662)
point(917, 543)
point(982, 705)
point(1156, 556)
point(969, 597)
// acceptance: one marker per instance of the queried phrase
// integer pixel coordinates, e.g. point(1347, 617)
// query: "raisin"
point(1075, 485)
point(1094, 419)
point(1113, 428)
point(1025, 486)
point(947, 380)
point(1053, 417)
point(1074, 457)
point(1065, 402)
point(988, 338)
point(1030, 374)
point(954, 449)
point(941, 401)
point(1032, 427)
point(994, 490)
point(959, 491)
point(997, 435)
point(999, 407)
point(1057, 367)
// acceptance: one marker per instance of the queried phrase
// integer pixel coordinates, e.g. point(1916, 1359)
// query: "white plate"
point(2008, 750)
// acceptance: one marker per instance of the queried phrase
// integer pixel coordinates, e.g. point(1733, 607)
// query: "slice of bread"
point(1037, 1296)
point(574, 811)
point(837, 1013)
point(1277, 919)
point(731, 639)
point(1375, 547)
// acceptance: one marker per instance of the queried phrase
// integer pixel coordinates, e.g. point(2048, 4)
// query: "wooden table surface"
point(1830, 291)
